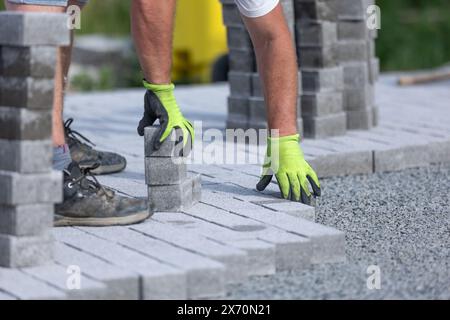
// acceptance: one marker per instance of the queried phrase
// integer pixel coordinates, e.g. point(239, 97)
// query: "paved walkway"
point(234, 232)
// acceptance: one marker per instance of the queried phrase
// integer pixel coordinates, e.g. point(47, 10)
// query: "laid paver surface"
point(235, 233)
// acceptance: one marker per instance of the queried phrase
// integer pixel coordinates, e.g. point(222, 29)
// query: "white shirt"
point(256, 8)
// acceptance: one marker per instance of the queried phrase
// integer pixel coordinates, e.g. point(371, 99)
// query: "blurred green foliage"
point(415, 34)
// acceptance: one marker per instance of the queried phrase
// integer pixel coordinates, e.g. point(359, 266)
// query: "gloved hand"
point(285, 159)
point(160, 103)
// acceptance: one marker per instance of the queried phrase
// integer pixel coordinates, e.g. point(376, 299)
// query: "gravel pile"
point(398, 221)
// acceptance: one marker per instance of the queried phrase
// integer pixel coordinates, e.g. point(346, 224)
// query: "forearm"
point(152, 23)
point(277, 65)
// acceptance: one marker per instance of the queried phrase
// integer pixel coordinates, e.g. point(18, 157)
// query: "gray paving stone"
point(231, 16)
point(315, 80)
point(352, 9)
point(360, 119)
point(292, 252)
point(410, 156)
point(315, 10)
point(352, 30)
point(27, 29)
point(17, 252)
point(58, 276)
point(374, 70)
point(261, 256)
point(172, 197)
point(295, 209)
point(321, 104)
point(352, 50)
point(26, 220)
point(318, 57)
point(22, 124)
point(205, 277)
point(315, 33)
point(238, 38)
point(341, 164)
point(121, 283)
point(196, 188)
point(25, 287)
point(157, 280)
point(30, 188)
point(171, 147)
point(355, 74)
point(222, 217)
point(26, 156)
point(322, 127)
point(238, 107)
point(328, 243)
point(358, 98)
point(242, 60)
point(31, 93)
point(257, 109)
point(36, 62)
point(164, 171)
point(234, 259)
point(240, 83)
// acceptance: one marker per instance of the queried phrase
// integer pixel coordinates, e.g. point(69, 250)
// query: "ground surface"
point(398, 221)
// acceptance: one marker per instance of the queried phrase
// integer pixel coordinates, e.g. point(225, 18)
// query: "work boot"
point(88, 203)
point(84, 152)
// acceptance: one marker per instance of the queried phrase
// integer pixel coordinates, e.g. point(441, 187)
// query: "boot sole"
point(114, 168)
point(62, 221)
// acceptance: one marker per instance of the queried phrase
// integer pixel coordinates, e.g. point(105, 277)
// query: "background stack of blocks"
point(337, 67)
point(246, 108)
point(170, 186)
point(28, 186)
point(356, 54)
point(316, 35)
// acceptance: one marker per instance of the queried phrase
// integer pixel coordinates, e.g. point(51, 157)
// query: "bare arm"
point(277, 65)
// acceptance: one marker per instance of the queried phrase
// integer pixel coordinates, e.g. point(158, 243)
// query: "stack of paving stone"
point(317, 44)
point(246, 107)
point(28, 186)
point(170, 186)
point(356, 54)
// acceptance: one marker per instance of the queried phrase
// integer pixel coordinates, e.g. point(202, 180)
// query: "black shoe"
point(88, 203)
point(83, 152)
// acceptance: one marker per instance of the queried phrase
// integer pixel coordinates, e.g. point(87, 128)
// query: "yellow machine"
point(200, 41)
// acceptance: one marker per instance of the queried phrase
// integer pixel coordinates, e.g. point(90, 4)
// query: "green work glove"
point(160, 103)
point(285, 159)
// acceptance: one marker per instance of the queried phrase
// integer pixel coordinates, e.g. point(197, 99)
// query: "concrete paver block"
point(205, 277)
point(171, 147)
point(30, 188)
point(30, 93)
point(157, 280)
point(22, 124)
point(31, 28)
point(36, 62)
point(234, 259)
point(26, 220)
point(164, 171)
point(23, 286)
point(26, 156)
point(19, 252)
point(121, 283)
point(322, 127)
point(57, 276)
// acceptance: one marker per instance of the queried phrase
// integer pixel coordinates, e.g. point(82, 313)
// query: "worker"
point(86, 201)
